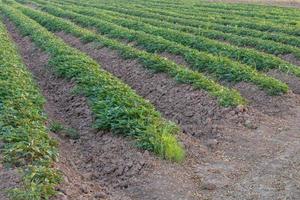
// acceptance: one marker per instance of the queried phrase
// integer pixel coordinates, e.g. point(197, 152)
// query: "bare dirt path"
point(263, 163)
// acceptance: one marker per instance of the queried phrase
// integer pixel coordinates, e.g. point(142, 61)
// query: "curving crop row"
point(222, 68)
point(225, 96)
point(239, 7)
point(225, 14)
point(199, 25)
point(250, 57)
point(215, 12)
point(269, 27)
point(116, 106)
point(266, 46)
point(272, 10)
point(258, 15)
point(22, 126)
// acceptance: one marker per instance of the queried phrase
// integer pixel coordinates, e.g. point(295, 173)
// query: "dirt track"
point(232, 153)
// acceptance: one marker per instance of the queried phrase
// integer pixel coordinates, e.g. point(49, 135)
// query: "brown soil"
point(269, 161)
point(292, 80)
point(273, 106)
point(176, 58)
point(257, 98)
point(291, 58)
point(232, 153)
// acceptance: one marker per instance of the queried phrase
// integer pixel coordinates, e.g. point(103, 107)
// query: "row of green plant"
point(22, 127)
point(198, 25)
point(220, 67)
point(241, 14)
point(225, 96)
point(220, 14)
point(267, 9)
point(239, 7)
point(250, 7)
point(204, 16)
point(247, 15)
point(250, 57)
point(266, 46)
point(262, 26)
point(116, 106)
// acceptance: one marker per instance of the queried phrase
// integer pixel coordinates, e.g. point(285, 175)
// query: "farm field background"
point(285, 3)
point(149, 100)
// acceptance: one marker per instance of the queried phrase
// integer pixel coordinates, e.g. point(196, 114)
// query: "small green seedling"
point(71, 133)
point(56, 127)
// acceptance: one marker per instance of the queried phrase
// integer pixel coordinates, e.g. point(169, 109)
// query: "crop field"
point(144, 100)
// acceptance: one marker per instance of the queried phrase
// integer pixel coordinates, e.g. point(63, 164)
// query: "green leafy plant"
point(22, 127)
point(56, 127)
point(39, 183)
point(71, 133)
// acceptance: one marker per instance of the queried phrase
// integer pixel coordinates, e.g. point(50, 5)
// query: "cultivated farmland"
point(149, 100)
